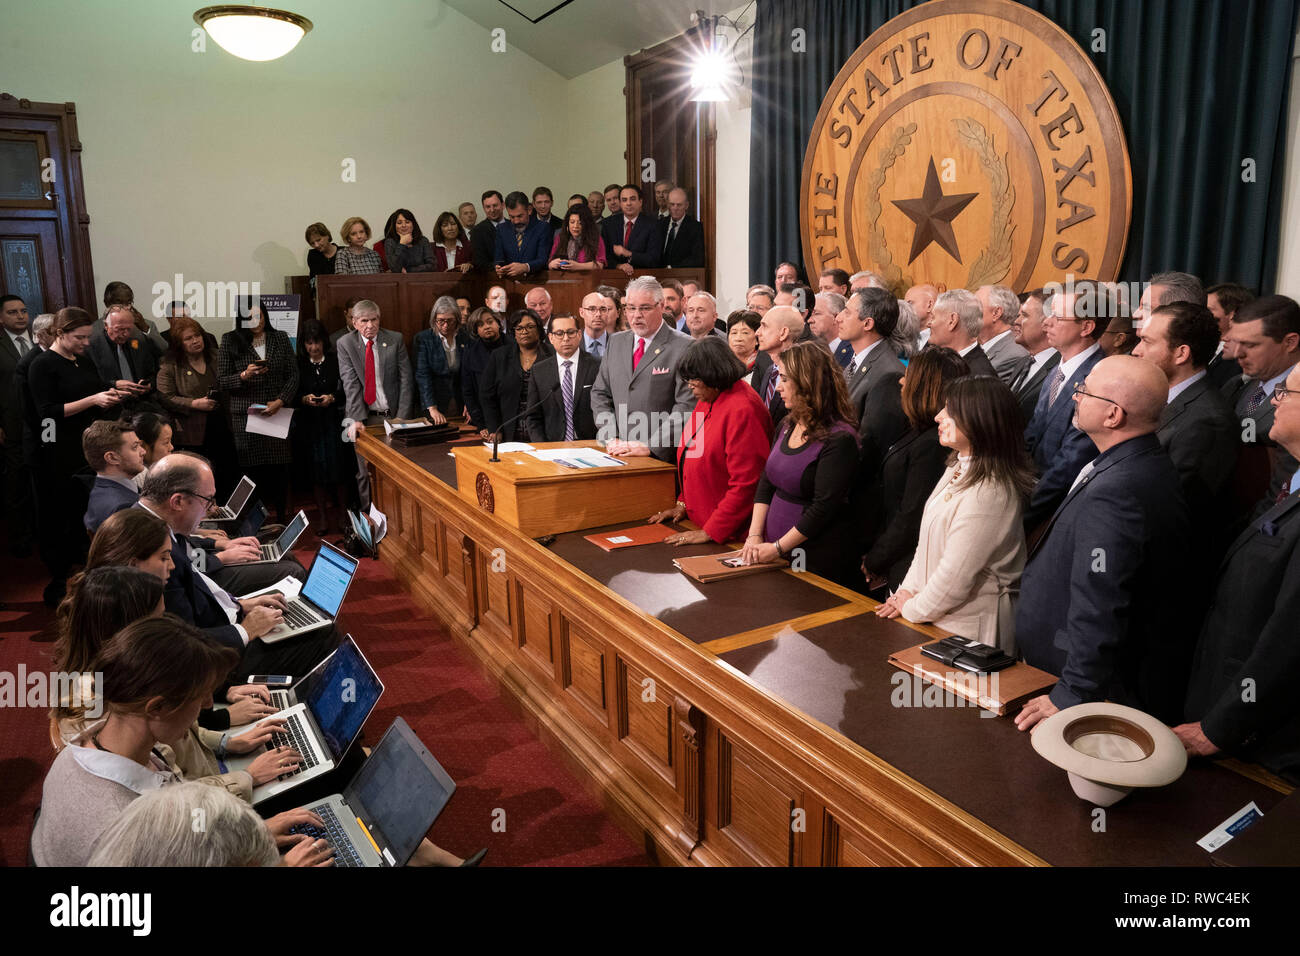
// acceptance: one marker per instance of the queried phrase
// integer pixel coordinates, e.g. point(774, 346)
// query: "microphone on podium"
point(496, 435)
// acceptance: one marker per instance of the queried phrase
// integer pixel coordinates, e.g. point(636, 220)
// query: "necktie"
point(371, 395)
point(519, 241)
point(771, 388)
point(1054, 389)
point(627, 232)
point(23, 346)
point(567, 388)
point(123, 365)
point(844, 354)
point(1256, 398)
point(595, 348)
point(672, 234)
point(638, 354)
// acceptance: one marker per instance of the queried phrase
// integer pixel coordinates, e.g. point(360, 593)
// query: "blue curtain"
point(1200, 85)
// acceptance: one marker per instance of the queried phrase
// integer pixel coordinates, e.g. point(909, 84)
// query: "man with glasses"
point(639, 400)
point(1197, 429)
point(1103, 599)
point(1249, 635)
point(1266, 332)
point(597, 316)
point(559, 388)
point(179, 489)
point(1059, 449)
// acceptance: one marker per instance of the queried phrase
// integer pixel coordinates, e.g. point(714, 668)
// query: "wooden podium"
point(542, 497)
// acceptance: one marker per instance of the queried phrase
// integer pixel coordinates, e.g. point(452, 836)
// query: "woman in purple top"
point(803, 495)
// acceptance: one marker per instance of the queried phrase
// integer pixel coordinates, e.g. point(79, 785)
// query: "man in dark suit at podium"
point(562, 385)
point(630, 238)
point(681, 237)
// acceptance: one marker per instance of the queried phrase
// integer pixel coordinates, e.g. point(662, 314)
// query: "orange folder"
point(631, 537)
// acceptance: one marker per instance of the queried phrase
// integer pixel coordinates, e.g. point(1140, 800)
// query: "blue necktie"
point(844, 354)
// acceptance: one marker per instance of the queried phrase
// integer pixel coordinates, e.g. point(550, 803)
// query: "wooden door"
point(44, 240)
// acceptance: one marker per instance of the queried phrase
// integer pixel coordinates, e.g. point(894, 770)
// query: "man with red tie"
point(376, 376)
point(639, 400)
point(630, 237)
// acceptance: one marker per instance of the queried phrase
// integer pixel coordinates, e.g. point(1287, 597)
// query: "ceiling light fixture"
point(253, 33)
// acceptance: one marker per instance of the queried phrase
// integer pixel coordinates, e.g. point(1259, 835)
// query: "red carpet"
point(550, 819)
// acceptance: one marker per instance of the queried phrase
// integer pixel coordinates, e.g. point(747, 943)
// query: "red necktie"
point(371, 396)
point(627, 233)
point(638, 354)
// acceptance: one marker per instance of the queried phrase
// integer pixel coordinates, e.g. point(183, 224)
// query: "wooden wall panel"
point(582, 669)
point(645, 725)
point(535, 627)
point(494, 609)
point(756, 805)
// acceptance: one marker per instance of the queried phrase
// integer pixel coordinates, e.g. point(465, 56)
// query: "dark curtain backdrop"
point(1200, 85)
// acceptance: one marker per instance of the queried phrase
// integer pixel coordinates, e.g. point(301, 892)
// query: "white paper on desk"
point(289, 586)
point(577, 457)
point(381, 523)
point(274, 426)
point(509, 446)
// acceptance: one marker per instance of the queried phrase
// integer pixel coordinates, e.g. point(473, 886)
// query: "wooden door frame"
point(72, 220)
point(638, 66)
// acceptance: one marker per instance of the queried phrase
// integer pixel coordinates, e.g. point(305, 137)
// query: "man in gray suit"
point(1000, 306)
point(1197, 429)
point(639, 400)
point(956, 323)
point(377, 387)
point(123, 356)
point(873, 373)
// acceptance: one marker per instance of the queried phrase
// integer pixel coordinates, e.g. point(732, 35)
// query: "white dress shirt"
point(1176, 390)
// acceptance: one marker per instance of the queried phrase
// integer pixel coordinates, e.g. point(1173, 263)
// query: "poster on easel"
point(282, 313)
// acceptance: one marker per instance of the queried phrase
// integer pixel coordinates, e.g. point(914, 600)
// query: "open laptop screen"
point(240, 495)
point(399, 791)
point(253, 521)
point(343, 697)
point(291, 532)
point(328, 579)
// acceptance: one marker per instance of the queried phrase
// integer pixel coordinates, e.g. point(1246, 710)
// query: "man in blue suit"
point(116, 456)
point(1059, 449)
point(1103, 602)
point(631, 239)
point(523, 243)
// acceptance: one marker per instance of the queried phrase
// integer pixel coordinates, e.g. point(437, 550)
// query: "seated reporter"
point(102, 602)
point(439, 361)
point(503, 389)
point(807, 482)
point(155, 434)
point(485, 338)
point(724, 446)
point(912, 465)
point(114, 454)
point(178, 490)
point(559, 387)
point(157, 674)
point(971, 547)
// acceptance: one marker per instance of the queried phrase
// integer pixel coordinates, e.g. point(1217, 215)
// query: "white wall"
point(1288, 264)
point(210, 166)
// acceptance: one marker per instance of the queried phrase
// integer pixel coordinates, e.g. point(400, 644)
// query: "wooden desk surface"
point(782, 701)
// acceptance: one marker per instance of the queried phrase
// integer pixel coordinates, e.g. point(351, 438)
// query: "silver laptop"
point(282, 546)
point(238, 498)
point(318, 604)
point(388, 807)
point(323, 726)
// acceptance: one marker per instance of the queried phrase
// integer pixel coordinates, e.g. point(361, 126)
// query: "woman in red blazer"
point(724, 446)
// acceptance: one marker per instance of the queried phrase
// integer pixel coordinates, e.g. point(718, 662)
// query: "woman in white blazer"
point(972, 545)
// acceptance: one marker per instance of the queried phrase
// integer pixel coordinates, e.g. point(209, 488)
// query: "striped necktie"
point(1054, 389)
point(567, 387)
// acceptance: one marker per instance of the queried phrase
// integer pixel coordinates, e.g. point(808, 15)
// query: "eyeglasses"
point(638, 309)
point(596, 308)
point(564, 333)
point(1280, 392)
point(195, 494)
point(1078, 390)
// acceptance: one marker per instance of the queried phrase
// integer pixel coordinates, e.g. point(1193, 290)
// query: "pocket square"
point(661, 371)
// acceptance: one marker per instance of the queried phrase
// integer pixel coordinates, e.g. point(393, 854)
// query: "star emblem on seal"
point(933, 214)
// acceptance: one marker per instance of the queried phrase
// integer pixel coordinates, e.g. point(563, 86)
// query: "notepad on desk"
point(716, 567)
point(631, 537)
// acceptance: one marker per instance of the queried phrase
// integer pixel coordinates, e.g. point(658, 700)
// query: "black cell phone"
point(212, 393)
point(271, 680)
point(258, 363)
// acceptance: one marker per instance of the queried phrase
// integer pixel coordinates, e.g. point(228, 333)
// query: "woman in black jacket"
point(909, 471)
point(325, 462)
point(503, 389)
